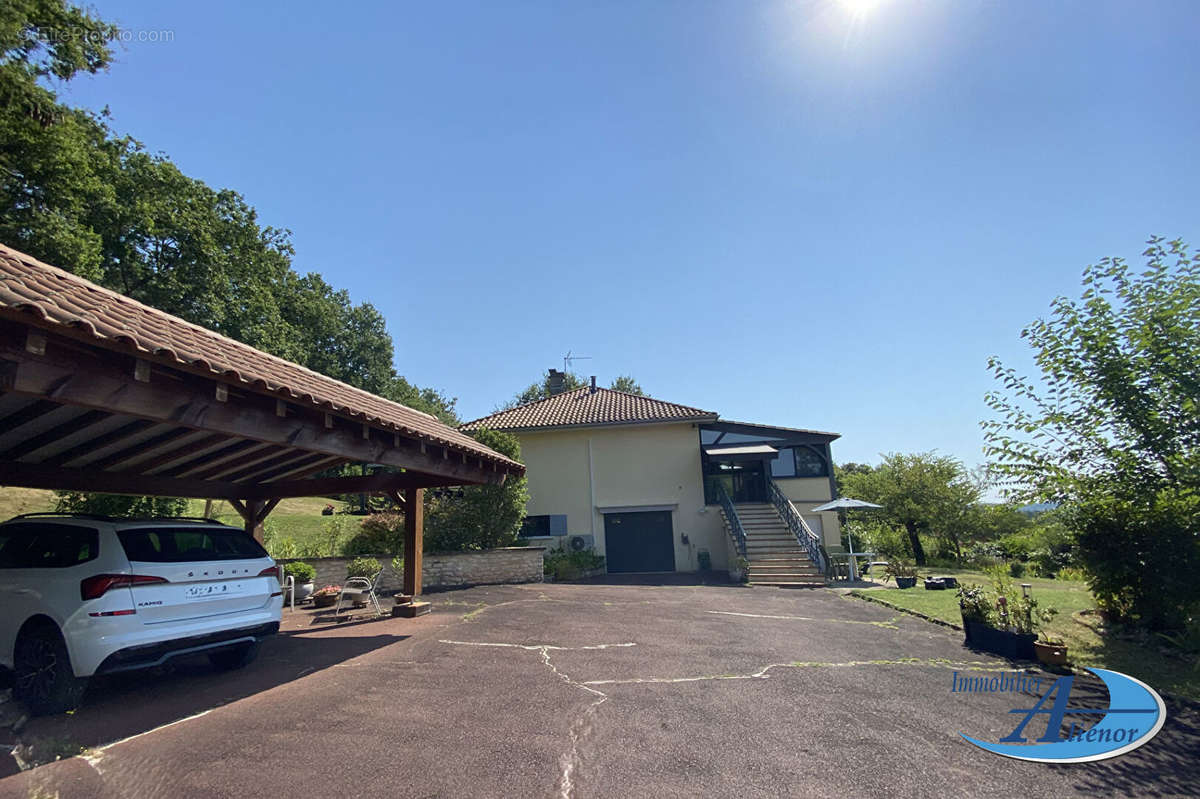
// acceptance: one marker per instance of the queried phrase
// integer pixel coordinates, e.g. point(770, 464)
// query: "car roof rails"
point(99, 517)
point(172, 519)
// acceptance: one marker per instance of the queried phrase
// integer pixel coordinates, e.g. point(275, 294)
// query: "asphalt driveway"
point(587, 690)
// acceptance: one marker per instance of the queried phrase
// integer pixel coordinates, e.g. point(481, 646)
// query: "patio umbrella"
point(843, 503)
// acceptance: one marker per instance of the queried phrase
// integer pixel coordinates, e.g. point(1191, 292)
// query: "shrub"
point(478, 517)
point(1016, 569)
point(975, 604)
point(301, 572)
point(1142, 558)
point(362, 567)
point(333, 532)
point(378, 534)
point(564, 565)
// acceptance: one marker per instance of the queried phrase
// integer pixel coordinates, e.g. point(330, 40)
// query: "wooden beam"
point(72, 379)
point(81, 422)
point(414, 539)
point(324, 486)
point(33, 410)
point(259, 472)
point(98, 443)
point(231, 450)
point(135, 451)
point(36, 475)
point(298, 470)
point(189, 450)
point(242, 461)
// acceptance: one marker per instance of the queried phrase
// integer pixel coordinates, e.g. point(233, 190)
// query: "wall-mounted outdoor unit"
point(581, 543)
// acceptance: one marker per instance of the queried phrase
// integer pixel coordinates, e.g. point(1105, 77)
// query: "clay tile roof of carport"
point(584, 407)
point(54, 295)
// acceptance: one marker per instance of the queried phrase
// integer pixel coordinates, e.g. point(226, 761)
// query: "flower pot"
point(906, 582)
point(303, 591)
point(934, 584)
point(1016, 646)
point(1050, 654)
point(325, 600)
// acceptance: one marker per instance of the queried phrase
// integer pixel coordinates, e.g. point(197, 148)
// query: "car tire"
point(43, 679)
point(234, 657)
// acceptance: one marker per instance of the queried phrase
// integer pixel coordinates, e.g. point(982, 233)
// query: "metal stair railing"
point(805, 537)
point(733, 523)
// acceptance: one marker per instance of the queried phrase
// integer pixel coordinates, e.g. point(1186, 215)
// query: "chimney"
point(593, 384)
point(558, 382)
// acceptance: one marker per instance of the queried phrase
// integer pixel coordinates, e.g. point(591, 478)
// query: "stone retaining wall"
point(445, 570)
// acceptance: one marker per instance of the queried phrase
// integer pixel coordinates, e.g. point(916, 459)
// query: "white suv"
point(83, 595)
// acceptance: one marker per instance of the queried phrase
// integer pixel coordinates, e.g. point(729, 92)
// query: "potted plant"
point(1051, 651)
point(739, 572)
point(327, 510)
point(976, 608)
point(326, 597)
point(302, 575)
point(905, 574)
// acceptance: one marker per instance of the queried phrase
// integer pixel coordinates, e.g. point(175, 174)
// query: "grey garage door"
point(639, 542)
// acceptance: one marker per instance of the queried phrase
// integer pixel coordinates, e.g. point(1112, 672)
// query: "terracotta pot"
point(324, 600)
point(1050, 654)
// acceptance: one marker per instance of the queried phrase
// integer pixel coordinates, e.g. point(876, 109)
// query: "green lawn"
point(1090, 644)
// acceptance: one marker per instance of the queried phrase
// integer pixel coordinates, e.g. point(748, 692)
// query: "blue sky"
point(796, 213)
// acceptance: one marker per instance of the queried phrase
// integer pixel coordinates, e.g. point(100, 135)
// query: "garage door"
point(639, 542)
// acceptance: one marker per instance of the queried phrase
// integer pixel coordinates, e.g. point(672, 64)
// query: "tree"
point(76, 194)
point(1111, 429)
point(541, 390)
point(922, 492)
point(627, 384)
point(478, 517)
point(118, 505)
point(843, 471)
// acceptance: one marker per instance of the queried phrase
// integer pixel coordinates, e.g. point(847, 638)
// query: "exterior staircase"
point(776, 558)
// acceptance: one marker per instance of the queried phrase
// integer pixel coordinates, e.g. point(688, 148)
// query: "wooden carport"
point(101, 393)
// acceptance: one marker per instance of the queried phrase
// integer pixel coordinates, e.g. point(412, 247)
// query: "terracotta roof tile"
point(583, 407)
point(28, 286)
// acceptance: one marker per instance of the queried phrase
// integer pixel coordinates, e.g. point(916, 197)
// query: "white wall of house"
point(806, 493)
point(581, 471)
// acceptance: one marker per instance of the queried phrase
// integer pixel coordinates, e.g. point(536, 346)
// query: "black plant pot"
point(906, 582)
point(1016, 646)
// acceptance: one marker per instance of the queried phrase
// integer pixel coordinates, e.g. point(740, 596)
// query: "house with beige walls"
point(655, 486)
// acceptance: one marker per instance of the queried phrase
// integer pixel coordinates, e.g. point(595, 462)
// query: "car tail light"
point(98, 586)
point(271, 571)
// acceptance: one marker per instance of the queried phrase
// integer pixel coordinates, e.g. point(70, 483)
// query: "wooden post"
point(414, 535)
point(254, 513)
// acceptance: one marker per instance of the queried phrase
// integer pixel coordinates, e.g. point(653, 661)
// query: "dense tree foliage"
point(571, 381)
point(119, 505)
point(1111, 428)
point(478, 517)
point(920, 493)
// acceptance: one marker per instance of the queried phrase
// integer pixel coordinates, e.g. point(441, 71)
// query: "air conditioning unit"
point(580, 543)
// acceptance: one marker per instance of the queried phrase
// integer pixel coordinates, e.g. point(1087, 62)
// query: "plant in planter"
point(905, 574)
point(740, 570)
point(327, 596)
point(303, 575)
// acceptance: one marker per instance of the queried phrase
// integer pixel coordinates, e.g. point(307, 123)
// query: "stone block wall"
point(445, 570)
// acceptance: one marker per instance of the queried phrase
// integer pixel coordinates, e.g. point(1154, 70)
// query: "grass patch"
point(1090, 642)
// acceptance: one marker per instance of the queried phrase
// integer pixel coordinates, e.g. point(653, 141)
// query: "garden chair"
point(835, 569)
point(360, 589)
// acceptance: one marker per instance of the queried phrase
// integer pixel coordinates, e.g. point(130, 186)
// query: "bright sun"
point(861, 8)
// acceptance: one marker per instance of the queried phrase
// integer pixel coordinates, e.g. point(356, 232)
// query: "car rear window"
point(182, 544)
point(46, 546)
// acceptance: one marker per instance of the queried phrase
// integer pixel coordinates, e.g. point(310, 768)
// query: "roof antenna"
point(568, 359)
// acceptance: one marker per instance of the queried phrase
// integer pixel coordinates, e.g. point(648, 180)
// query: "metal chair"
point(360, 589)
point(836, 568)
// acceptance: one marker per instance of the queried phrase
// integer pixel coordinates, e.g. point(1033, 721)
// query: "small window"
point(809, 463)
point(47, 546)
point(184, 544)
point(784, 464)
point(545, 525)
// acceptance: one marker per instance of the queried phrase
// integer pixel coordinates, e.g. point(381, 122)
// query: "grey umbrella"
point(843, 503)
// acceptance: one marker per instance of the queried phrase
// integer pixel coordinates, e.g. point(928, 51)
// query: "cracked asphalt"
point(586, 690)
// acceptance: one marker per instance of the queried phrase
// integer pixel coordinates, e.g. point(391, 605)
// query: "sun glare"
point(861, 8)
